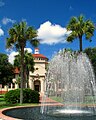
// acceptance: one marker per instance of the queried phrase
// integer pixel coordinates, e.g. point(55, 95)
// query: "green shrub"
point(35, 96)
point(13, 96)
point(29, 96)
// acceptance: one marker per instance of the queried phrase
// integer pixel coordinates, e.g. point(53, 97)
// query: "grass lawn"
point(58, 99)
point(88, 99)
point(3, 104)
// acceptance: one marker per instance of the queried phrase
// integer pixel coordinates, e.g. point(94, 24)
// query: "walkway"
point(48, 101)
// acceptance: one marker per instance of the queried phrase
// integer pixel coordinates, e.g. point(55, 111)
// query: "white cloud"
point(28, 49)
point(49, 33)
point(1, 32)
point(7, 20)
point(12, 55)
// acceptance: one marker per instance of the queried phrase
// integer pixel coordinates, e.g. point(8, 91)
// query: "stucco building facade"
point(37, 78)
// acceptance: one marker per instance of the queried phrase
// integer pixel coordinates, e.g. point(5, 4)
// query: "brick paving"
point(48, 101)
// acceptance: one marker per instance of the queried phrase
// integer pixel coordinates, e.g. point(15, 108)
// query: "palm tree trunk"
point(27, 73)
point(24, 79)
point(22, 75)
point(80, 43)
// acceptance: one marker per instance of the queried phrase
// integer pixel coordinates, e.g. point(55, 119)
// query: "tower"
point(36, 51)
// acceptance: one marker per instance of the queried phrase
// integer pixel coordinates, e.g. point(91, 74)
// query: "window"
point(37, 68)
point(19, 85)
point(13, 85)
point(2, 85)
point(9, 85)
point(59, 85)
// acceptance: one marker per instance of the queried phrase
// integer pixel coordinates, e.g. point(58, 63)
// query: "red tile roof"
point(39, 56)
point(16, 71)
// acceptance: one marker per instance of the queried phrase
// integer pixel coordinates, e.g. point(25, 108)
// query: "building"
point(36, 79)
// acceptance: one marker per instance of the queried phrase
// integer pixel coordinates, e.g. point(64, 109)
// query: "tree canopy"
point(28, 64)
point(91, 52)
point(80, 27)
point(6, 70)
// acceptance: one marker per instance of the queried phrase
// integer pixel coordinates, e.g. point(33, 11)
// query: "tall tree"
point(6, 70)
point(28, 64)
point(80, 27)
point(91, 52)
point(19, 34)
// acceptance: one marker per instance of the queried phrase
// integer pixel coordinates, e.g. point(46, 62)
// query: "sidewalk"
point(48, 101)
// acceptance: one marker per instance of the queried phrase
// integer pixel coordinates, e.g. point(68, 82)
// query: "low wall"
point(3, 92)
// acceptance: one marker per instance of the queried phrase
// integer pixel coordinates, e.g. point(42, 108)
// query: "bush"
point(29, 96)
point(13, 96)
point(35, 96)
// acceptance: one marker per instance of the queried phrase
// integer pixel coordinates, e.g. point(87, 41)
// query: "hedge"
point(29, 96)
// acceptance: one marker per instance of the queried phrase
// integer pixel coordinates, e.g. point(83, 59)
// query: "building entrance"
point(37, 86)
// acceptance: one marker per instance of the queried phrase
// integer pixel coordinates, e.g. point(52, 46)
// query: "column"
point(32, 84)
point(42, 86)
point(16, 86)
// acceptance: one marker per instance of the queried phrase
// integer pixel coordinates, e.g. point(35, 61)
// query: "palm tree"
point(79, 27)
point(28, 65)
point(19, 34)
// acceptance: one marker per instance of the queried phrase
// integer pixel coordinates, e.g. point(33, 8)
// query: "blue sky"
point(49, 17)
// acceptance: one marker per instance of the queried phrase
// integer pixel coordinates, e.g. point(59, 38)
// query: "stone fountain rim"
point(5, 117)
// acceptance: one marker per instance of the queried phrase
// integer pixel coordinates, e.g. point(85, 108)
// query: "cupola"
point(36, 51)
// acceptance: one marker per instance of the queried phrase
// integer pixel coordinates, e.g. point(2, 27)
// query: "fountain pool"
point(33, 113)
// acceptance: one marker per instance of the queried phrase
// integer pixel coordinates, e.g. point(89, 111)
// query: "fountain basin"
point(33, 113)
point(65, 112)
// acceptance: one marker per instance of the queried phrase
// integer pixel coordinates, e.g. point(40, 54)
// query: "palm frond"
point(34, 42)
point(79, 27)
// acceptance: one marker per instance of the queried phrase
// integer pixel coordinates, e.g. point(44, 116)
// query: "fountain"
point(70, 91)
point(70, 82)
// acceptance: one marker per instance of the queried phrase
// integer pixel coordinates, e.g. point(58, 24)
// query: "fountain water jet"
point(71, 83)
